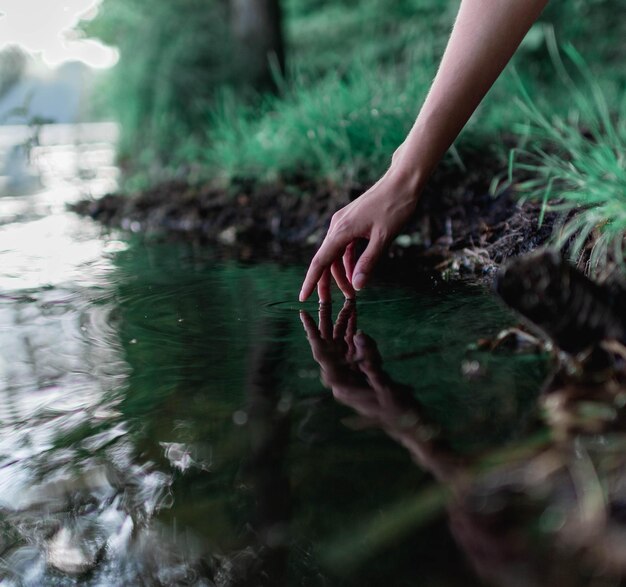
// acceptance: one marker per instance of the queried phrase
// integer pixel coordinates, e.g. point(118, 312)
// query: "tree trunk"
point(257, 28)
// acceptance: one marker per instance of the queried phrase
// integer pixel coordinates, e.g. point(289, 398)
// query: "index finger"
point(331, 249)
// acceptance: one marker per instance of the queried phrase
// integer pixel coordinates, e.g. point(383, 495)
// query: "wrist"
point(408, 176)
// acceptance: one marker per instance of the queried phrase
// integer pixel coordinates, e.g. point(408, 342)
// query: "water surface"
point(167, 420)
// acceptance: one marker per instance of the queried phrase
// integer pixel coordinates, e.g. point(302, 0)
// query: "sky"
point(45, 28)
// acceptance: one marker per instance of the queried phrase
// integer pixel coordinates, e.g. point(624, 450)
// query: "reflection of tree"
point(12, 65)
point(521, 514)
point(268, 424)
point(257, 26)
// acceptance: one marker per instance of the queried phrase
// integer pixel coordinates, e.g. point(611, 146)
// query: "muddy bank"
point(459, 226)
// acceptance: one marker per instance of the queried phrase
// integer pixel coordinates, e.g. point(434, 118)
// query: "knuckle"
point(335, 218)
point(341, 226)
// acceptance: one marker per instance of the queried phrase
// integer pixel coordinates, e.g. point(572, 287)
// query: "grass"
point(359, 78)
point(343, 128)
point(575, 163)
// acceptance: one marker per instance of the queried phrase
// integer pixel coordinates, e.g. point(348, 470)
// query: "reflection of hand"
point(351, 367)
point(377, 215)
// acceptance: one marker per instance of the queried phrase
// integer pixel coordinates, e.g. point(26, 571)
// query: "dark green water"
point(166, 419)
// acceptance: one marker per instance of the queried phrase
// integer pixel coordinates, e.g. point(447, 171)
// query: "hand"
point(377, 215)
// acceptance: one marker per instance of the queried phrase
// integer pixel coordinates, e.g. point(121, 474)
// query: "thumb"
point(367, 261)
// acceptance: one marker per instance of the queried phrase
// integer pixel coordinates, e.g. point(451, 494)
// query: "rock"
point(572, 310)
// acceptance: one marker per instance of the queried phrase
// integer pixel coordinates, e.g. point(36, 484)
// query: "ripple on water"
point(281, 307)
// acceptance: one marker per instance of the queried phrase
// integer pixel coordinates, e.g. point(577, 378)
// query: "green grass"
point(357, 73)
point(575, 162)
point(360, 77)
point(343, 128)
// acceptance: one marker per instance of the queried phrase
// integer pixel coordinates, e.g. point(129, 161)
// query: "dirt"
point(459, 226)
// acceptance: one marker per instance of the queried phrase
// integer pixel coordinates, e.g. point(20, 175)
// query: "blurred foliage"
point(173, 56)
point(357, 72)
point(344, 127)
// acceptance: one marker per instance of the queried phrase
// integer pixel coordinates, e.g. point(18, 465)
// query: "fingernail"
point(359, 339)
point(300, 297)
point(358, 281)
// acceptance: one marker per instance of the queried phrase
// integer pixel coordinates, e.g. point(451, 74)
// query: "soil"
point(459, 226)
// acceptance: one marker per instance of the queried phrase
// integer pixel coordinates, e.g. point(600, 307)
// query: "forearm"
point(484, 38)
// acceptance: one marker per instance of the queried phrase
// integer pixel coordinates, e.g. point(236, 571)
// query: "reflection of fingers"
point(313, 336)
point(343, 319)
point(349, 259)
point(366, 262)
point(369, 362)
point(309, 325)
point(331, 249)
point(339, 274)
point(323, 288)
point(367, 351)
point(350, 332)
point(326, 321)
point(376, 377)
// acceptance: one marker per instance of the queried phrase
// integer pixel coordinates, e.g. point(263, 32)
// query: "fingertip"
point(358, 282)
point(305, 292)
point(323, 288)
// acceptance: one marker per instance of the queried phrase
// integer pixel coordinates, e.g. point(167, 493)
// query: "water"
point(166, 417)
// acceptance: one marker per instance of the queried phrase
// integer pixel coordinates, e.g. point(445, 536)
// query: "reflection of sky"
point(45, 27)
point(74, 497)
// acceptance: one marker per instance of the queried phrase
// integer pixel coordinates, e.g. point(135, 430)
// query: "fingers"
point(339, 274)
point(350, 276)
point(349, 259)
point(331, 249)
point(366, 262)
point(323, 288)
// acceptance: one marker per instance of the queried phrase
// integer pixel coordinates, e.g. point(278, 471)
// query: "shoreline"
point(458, 228)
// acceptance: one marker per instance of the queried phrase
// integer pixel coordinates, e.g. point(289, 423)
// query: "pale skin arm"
point(485, 36)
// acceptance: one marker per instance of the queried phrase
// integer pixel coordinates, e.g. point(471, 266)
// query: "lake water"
point(169, 416)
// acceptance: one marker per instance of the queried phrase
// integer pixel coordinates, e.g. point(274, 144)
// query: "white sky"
point(45, 27)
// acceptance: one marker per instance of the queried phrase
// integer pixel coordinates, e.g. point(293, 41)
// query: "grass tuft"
point(576, 164)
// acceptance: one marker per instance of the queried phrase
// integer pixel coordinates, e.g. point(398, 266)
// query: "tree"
point(257, 30)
